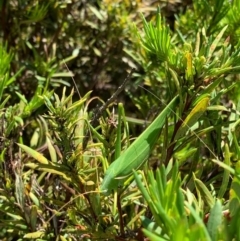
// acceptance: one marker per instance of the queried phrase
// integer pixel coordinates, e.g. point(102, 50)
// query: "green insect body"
point(137, 153)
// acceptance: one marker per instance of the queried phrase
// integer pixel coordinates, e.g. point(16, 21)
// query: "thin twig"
point(99, 112)
point(112, 98)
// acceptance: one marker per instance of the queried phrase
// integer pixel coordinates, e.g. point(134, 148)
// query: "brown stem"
point(173, 144)
point(170, 149)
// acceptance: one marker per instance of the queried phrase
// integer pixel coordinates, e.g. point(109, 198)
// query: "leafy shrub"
point(70, 172)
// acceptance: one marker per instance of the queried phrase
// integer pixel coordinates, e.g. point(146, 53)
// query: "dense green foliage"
point(74, 168)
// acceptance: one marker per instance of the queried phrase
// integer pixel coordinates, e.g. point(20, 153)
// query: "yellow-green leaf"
point(36, 155)
point(193, 117)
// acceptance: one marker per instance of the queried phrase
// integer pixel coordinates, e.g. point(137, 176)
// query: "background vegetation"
point(74, 168)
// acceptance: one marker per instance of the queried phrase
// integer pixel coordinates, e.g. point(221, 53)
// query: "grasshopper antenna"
point(74, 82)
point(198, 137)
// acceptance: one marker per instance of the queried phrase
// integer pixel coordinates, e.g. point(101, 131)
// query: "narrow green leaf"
point(62, 238)
point(34, 198)
point(33, 217)
point(118, 143)
point(216, 41)
point(52, 168)
point(51, 150)
point(215, 220)
point(226, 173)
point(199, 221)
point(150, 225)
point(153, 236)
point(34, 235)
point(96, 12)
point(141, 187)
point(36, 155)
point(14, 216)
point(204, 192)
point(193, 117)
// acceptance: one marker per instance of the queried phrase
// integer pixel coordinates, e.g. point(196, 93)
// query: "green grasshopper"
point(138, 152)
